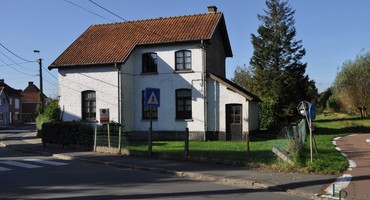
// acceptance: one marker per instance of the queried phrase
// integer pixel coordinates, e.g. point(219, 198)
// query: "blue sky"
point(332, 31)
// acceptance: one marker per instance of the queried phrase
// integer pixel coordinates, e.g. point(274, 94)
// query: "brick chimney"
point(212, 9)
point(1, 80)
point(30, 83)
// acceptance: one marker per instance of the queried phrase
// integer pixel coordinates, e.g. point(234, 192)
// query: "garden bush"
point(68, 134)
point(51, 114)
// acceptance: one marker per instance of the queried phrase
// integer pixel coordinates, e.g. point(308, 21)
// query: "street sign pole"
point(308, 110)
point(150, 146)
point(152, 99)
point(310, 128)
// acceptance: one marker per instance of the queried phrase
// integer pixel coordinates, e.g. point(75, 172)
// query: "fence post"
point(248, 148)
point(108, 134)
point(95, 136)
point(186, 148)
point(119, 139)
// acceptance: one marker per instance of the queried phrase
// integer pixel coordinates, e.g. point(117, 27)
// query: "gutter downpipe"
point(204, 82)
point(118, 92)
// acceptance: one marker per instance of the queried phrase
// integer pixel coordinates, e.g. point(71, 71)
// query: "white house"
point(110, 65)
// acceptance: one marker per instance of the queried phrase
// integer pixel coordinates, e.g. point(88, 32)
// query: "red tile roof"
point(31, 94)
point(113, 43)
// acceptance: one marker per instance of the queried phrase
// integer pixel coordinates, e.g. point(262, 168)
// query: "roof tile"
point(112, 43)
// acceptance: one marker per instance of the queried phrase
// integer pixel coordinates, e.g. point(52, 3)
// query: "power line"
point(145, 29)
point(108, 11)
point(20, 63)
point(14, 63)
point(88, 10)
point(16, 69)
point(14, 53)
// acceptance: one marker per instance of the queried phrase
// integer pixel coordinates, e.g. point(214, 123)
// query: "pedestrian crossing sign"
point(152, 97)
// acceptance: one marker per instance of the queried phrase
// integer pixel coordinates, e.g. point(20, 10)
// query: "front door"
point(234, 122)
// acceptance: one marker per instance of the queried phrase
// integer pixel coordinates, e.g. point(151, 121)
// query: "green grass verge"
point(327, 161)
point(327, 127)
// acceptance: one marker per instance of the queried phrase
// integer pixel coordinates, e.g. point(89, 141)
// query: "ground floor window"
point(89, 105)
point(17, 116)
point(183, 104)
point(1, 117)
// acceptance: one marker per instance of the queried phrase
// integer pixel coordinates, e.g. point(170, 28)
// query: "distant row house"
point(17, 106)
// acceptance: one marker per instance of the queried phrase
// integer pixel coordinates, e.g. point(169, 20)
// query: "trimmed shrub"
point(68, 134)
point(51, 114)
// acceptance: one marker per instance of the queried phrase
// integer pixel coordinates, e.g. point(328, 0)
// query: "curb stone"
point(242, 183)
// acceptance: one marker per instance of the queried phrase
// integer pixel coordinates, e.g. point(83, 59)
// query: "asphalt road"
point(28, 176)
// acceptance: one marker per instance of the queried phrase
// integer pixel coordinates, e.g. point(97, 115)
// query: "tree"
point(352, 84)
point(323, 98)
point(278, 72)
point(243, 77)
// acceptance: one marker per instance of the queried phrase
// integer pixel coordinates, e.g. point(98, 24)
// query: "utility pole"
point(41, 86)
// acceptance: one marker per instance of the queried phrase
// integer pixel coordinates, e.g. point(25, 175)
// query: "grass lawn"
point(327, 127)
point(328, 160)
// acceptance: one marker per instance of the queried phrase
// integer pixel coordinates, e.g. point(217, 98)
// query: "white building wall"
point(218, 97)
point(127, 94)
point(101, 79)
point(167, 80)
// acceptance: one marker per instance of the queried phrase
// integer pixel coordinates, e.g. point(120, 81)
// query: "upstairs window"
point(183, 60)
point(88, 105)
point(183, 104)
point(16, 101)
point(149, 62)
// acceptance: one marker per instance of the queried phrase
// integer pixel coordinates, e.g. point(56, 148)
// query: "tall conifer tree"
point(278, 72)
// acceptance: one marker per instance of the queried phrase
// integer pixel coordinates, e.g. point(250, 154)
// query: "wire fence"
point(291, 139)
point(114, 140)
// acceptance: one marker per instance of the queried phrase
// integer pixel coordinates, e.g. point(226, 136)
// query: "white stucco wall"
point(167, 80)
point(73, 81)
point(218, 96)
point(103, 80)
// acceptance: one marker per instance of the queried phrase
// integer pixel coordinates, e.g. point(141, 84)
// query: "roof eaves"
point(83, 65)
point(236, 88)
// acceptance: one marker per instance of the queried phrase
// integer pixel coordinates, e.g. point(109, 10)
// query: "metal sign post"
point(152, 99)
point(308, 110)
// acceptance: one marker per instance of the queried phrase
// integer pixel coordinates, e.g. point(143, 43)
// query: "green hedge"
point(51, 114)
point(68, 134)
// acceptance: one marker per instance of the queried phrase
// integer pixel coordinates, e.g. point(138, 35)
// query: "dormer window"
point(149, 63)
point(183, 60)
